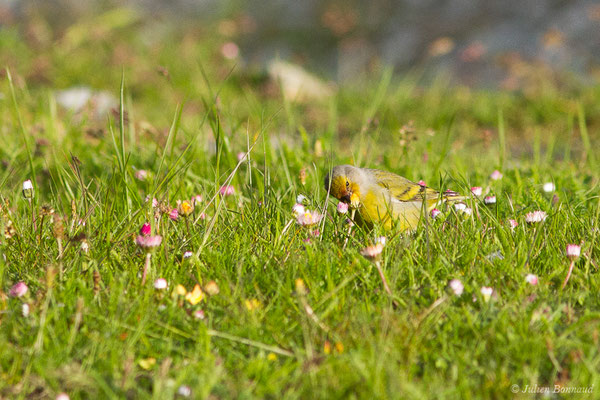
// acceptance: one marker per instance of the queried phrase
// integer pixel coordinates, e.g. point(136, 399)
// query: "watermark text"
point(535, 389)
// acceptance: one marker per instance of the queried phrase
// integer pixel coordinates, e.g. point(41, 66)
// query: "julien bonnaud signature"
point(551, 389)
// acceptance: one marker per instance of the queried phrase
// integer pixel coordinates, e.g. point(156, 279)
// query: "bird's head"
point(344, 183)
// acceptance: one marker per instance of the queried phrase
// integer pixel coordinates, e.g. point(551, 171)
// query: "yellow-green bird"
point(383, 197)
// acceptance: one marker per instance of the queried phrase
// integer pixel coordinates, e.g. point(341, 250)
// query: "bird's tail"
point(452, 196)
point(448, 196)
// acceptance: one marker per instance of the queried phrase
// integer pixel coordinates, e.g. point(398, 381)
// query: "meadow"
point(242, 300)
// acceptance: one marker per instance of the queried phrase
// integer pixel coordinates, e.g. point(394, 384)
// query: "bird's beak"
point(354, 200)
point(346, 198)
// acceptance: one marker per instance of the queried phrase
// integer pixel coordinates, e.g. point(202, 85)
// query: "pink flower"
point(160, 284)
point(460, 206)
point(184, 391)
point(422, 183)
point(573, 251)
point(146, 229)
point(298, 209)
point(435, 213)
point(342, 208)
point(372, 252)
point(202, 216)
point(148, 242)
point(490, 200)
point(19, 289)
point(486, 292)
point(227, 190)
point(513, 223)
point(477, 190)
point(28, 189)
point(531, 279)
point(199, 314)
point(241, 156)
point(62, 396)
point(230, 50)
point(187, 254)
point(141, 174)
point(536, 216)
point(496, 175)
point(154, 201)
point(309, 218)
point(197, 199)
point(549, 187)
point(174, 214)
point(381, 240)
point(456, 286)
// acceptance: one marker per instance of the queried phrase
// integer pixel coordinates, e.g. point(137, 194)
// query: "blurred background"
point(479, 43)
point(406, 85)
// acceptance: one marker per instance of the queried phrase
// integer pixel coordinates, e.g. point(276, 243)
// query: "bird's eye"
point(347, 184)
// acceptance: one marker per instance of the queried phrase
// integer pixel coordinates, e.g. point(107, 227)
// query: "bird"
point(382, 197)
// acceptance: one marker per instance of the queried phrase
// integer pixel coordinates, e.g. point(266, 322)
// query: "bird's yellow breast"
point(375, 207)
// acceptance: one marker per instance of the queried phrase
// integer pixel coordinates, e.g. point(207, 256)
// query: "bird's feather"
point(403, 189)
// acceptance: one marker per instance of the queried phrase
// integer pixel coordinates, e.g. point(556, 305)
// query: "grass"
point(94, 331)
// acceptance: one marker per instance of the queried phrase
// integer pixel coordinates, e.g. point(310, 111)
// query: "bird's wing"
point(402, 189)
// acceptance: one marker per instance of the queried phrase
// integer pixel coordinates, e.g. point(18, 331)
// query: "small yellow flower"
point(195, 296)
point(212, 288)
point(186, 208)
point(327, 347)
point(302, 175)
point(147, 363)
point(252, 304)
point(272, 357)
point(339, 347)
point(300, 286)
point(180, 290)
point(9, 229)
